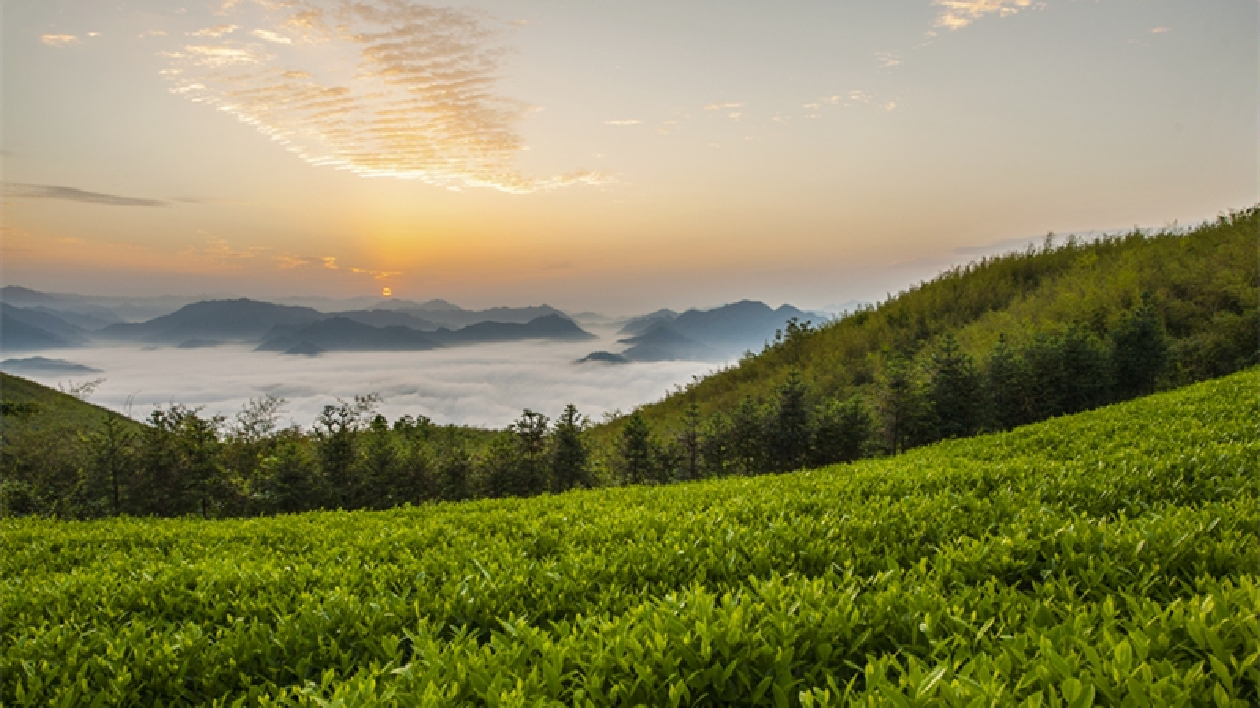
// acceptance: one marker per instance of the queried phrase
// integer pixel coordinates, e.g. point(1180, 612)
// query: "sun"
point(386, 292)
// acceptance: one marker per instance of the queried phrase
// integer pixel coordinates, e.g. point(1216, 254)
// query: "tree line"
point(181, 462)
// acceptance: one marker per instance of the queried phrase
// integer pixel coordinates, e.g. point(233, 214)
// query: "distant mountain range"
point(53, 321)
point(712, 334)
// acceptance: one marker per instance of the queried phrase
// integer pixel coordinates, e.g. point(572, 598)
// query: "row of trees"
point(181, 462)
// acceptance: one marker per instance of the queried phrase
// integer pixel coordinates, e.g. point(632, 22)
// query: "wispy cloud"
point(956, 14)
point(623, 122)
point(722, 106)
point(1160, 30)
point(48, 191)
point(59, 40)
point(380, 88)
point(887, 60)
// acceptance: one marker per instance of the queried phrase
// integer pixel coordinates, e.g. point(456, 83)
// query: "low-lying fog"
point(482, 385)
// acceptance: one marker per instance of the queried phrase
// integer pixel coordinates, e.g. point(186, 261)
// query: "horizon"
point(618, 160)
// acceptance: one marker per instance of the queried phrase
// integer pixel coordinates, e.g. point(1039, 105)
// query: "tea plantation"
point(1108, 558)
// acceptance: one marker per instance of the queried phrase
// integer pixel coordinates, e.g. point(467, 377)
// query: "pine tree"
point(379, 467)
point(791, 435)
point(570, 459)
point(688, 440)
point(842, 431)
point(955, 390)
point(635, 451)
point(749, 439)
point(1005, 387)
point(1139, 350)
point(900, 404)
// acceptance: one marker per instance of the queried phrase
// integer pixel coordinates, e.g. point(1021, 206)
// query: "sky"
point(616, 157)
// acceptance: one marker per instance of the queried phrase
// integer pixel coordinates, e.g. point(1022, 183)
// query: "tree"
point(110, 459)
point(336, 432)
point(289, 481)
point(955, 390)
point(635, 451)
point(900, 404)
point(531, 431)
point(570, 459)
point(454, 470)
point(1005, 386)
point(790, 434)
point(1139, 350)
point(842, 431)
point(749, 443)
point(688, 440)
point(379, 465)
point(1086, 369)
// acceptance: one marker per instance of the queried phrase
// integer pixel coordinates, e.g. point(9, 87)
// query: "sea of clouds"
point(483, 385)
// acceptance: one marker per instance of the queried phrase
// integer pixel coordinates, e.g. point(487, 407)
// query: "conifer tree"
point(842, 431)
point(790, 437)
point(1139, 350)
point(570, 459)
point(1005, 387)
point(955, 390)
point(635, 458)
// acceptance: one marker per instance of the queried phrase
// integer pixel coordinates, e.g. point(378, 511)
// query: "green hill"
point(1204, 283)
point(40, 406)
point(42, 458)
point(1107, 558)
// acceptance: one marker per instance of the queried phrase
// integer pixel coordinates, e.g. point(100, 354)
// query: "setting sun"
point(386, 292)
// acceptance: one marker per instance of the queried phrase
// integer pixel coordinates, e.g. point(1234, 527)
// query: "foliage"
point(1106, 558)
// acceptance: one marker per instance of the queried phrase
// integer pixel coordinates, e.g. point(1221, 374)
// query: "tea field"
point(1109, 558)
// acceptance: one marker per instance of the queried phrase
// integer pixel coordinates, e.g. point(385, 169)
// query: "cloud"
point(59, 40)
point(887, 60)
point(622, 122)
point(216, 31)
point(47, 191)
point(480, 385)
point(1160, 30)
point(722, 106)
point(376, 274)
point(379, 88)
point(956, 14)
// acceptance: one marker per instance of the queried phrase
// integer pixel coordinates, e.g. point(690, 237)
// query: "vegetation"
point(1197, 290)
point(1003, 342)
point(1108, 558)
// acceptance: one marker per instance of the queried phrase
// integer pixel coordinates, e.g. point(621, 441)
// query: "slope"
point(1104, 558)
point(1204, 283)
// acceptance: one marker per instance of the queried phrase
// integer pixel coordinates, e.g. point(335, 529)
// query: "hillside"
point(1107, 558)
point(54, 408)
point(1204, 284)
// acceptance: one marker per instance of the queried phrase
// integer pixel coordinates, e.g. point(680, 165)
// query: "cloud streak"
point(380, 88)
point(49, 191)
point(956, 14)
point(59, 40)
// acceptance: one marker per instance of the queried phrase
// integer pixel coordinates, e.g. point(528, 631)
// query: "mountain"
point(741, 325)
point(603, 358)
point(389, 318)
point(639, 325)
point(552, 326)
point(345, 334)
point(447, 315)
point(85, 317)
point(16, 294)
point(239, 320)
point(22, 329)
point(40, 365)
point(44, 321)
point(663, 343)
